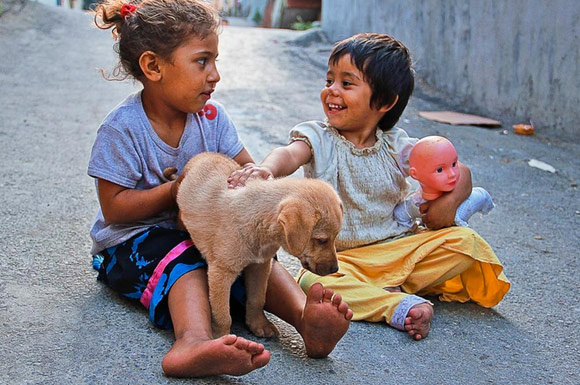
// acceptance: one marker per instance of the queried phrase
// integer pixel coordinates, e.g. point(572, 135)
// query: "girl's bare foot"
point(325, 320)
point(418, 320)
point(229, 354)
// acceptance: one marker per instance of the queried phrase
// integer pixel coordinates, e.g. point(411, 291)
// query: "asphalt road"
point(59, 326)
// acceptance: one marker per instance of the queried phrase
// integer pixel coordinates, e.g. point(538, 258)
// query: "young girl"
point(382, 269)
point(171, 47)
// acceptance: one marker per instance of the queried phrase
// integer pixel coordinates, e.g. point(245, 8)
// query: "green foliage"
point(301, 25)
point(257, 18)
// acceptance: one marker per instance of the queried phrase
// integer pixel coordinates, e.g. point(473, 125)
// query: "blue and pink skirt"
point(146, 266)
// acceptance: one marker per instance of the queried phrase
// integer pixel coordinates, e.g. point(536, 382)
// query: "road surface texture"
point(60, 326)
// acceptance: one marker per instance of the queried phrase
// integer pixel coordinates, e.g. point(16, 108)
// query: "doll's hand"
point(250, 170)
point(439, 213)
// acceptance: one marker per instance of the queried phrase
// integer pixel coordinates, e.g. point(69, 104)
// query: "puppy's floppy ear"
point(298, 220)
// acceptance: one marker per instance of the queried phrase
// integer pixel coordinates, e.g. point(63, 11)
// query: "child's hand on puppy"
point(170, 173)
point(249, 170)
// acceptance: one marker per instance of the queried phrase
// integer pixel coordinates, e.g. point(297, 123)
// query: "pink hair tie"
point(127, 9)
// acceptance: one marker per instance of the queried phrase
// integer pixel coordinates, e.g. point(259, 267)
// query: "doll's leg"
point(478, 201)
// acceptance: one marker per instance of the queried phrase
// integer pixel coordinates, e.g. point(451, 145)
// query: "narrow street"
point(58, 325)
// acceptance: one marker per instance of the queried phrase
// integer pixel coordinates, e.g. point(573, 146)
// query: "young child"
point(383, 270)
point(171, 46)
point(433, 162)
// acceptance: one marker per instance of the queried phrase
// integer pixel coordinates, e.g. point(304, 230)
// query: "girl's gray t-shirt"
point(128, 152)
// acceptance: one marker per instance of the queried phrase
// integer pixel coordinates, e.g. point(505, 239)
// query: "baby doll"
point(433, 163)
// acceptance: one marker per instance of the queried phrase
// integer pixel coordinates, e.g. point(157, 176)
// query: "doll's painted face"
point(433, 162)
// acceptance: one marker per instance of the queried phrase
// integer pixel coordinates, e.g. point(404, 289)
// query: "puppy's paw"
point(219, 330)
point(261, 327)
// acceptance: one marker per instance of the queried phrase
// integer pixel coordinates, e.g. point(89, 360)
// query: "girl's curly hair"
point(159, 26)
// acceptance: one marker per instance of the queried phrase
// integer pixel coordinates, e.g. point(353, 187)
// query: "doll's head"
point(433, 162)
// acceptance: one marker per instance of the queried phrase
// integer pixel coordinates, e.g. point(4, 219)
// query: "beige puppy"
point(241, 230)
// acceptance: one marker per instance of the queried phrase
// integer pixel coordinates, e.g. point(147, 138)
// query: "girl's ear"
point(413, 172)
point(387, 108)
point(149, 63)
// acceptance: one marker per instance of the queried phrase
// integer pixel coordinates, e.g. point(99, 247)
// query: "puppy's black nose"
point(326, 269)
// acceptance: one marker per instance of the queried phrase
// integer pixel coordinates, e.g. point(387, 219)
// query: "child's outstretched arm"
point(243, 157)
point(281, 161)
point(440, 212)
point(124, 205)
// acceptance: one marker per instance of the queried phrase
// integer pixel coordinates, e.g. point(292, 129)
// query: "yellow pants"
point(454, 263)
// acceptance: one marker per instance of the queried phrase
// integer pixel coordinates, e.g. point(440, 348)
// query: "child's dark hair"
point(387, 67)
point(159, 26)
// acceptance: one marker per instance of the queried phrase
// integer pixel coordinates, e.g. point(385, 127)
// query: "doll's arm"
point(406, 212)
point(440, 212)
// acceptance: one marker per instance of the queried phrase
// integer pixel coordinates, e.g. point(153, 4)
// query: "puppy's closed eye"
point(321, 241)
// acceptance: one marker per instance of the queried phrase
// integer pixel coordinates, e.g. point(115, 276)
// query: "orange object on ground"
point(524, 129)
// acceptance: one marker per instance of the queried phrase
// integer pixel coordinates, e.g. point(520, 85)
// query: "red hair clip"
point(127, 9)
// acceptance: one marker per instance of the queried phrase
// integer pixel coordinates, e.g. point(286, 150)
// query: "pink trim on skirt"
point(173, 253)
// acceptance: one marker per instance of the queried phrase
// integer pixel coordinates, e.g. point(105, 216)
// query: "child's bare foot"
point(229, 354)
point(325, 320)
point(418, 321)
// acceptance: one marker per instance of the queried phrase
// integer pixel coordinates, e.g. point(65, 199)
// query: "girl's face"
point(190, 75)
point(346, 98)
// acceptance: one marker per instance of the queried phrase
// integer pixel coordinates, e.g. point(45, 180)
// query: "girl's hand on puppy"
point(170, 173)
point(249, 170)
point(175, 186)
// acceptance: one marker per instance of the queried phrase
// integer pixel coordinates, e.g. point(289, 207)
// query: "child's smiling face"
point(346, 98)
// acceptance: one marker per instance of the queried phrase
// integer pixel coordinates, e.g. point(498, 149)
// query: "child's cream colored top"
point(370, 181)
